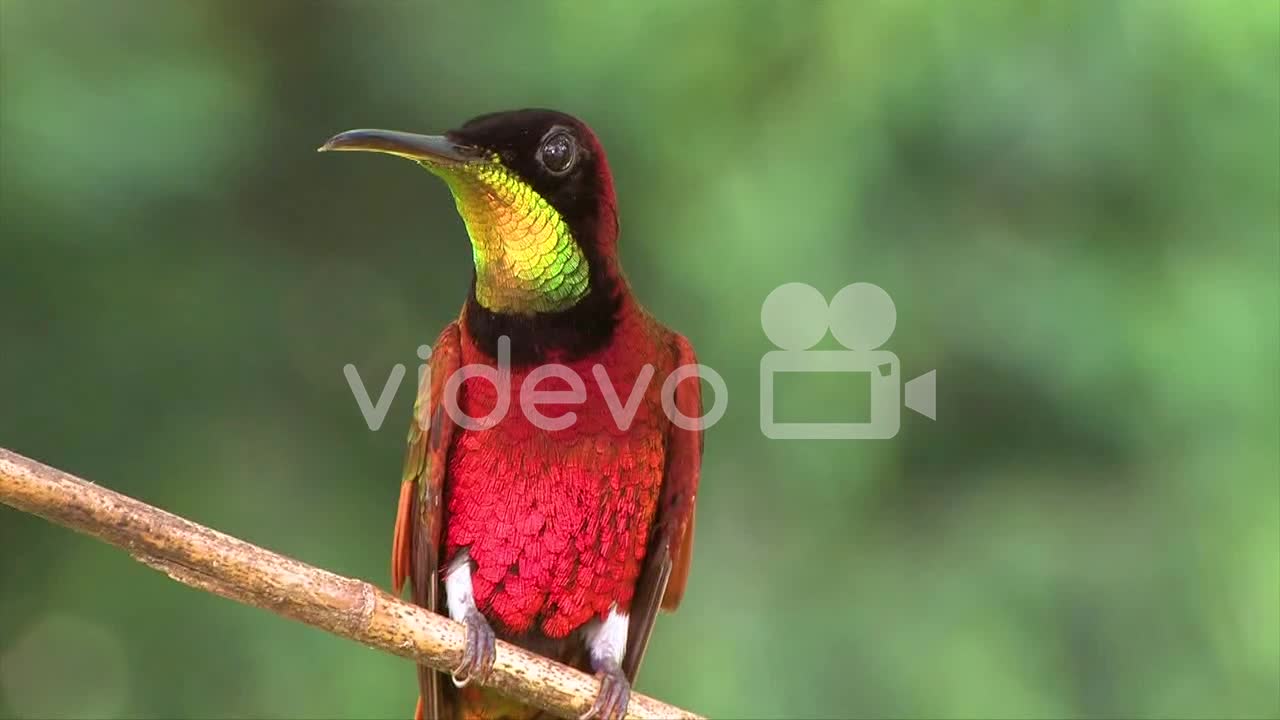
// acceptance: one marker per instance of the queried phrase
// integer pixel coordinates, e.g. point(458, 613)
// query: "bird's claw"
point(614, 696)
point(478, 652)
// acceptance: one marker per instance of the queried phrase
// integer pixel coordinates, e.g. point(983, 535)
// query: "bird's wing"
point(666, 565)
point(415, 552)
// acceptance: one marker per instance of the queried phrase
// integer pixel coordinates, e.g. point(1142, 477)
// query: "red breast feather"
point(557, 522)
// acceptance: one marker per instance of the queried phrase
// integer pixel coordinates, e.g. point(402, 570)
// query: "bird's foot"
point(478, 652)
point(614, 696)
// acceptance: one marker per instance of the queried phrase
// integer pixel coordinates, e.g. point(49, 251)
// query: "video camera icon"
point(861, 317)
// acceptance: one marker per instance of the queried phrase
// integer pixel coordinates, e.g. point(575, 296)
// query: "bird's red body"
point(565, 535)
point(557, 521)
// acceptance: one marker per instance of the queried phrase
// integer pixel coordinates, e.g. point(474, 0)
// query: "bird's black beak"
point(431, 150)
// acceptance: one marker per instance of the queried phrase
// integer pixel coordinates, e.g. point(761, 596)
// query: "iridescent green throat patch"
point(526, 258)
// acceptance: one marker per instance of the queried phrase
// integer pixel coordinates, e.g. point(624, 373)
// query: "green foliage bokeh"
point(1075, 205)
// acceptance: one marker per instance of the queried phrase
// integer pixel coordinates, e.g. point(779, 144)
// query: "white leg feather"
point(457, 587)
point(607, 639)
point(479, 653)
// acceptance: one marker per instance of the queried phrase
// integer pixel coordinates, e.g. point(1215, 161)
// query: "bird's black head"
point(558, 156)
point(535, 192)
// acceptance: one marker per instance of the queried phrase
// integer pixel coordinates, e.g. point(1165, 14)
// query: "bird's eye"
point(558, 152)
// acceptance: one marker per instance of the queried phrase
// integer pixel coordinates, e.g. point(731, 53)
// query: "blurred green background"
point(1075, 205)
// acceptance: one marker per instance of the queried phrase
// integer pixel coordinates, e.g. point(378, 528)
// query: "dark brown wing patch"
point(666, 565)
point(415, 553)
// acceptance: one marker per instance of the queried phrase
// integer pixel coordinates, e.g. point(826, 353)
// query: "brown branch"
point(211, 561)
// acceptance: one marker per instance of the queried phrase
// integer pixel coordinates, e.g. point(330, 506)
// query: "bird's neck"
point(563, 335)
point(551, 285)
point(512, 285)
point(526, 258)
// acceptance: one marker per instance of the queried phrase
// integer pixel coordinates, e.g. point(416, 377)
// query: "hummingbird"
point(552, 467)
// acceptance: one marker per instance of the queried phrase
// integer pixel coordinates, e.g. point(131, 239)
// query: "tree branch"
point(214, 562)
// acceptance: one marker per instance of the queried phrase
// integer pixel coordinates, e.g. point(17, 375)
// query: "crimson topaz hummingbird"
point(563, 538)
